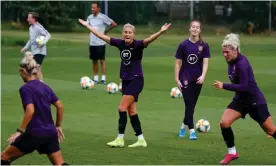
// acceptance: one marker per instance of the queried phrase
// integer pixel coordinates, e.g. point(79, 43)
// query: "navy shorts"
point(258, 112)
point(97, 52)
point(39, 58)
point(133, 87)
point(28, 143)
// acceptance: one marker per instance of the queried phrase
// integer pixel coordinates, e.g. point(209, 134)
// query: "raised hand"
point(165, 27)
point(85, 23)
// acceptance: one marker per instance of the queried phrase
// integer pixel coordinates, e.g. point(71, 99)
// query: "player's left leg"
point(101, 52)
point(261, 114)
point(190, 96)
point(269, 127)
point(103, 67)
point(124, 105)
point(136, 125)
point(10, 154)
point(56, 158)
point(39, 59)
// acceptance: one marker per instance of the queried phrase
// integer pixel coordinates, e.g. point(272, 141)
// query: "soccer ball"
point(40, 39)
point(175, 93)
point(112, 88)
point(203, 125)
point(86, 83)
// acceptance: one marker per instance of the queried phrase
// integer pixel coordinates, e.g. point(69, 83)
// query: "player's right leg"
point(123, 107)
point(95, 59)
point(23, 144)
point(10, 154)
point(229, 116)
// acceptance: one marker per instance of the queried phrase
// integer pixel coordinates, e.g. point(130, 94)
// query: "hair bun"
point(29, 56)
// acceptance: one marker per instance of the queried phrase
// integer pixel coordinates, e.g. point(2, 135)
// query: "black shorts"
point(97, 52)
point(258, 112)
point(28, 143)
point(133, 87)
point(39, 58)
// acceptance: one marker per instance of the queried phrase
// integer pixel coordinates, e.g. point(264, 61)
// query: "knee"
point(102, 62)
point(225, 124)
point(122, 109)
point(95, 62)
point(132, 112)
point(270, 130)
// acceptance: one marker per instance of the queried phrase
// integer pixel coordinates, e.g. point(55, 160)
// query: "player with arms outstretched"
point(131, 73)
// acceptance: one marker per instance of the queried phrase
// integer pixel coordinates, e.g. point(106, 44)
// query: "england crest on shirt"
point(200, 48)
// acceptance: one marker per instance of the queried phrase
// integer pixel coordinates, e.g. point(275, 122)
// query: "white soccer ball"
point(203, 125)
point(112, 88)
point(86, 83)
point(175, 93)
point(40, 39)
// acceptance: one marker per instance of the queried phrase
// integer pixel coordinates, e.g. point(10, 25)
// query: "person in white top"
point(38, 50)
point(103, 24)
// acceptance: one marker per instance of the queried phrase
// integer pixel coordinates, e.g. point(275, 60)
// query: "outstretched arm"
point(153, 37)
point(95, 32)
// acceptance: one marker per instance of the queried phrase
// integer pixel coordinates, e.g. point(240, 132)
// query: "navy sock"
point(5, 162)
point(228, 136)
point(122, 122)
point(135, 122)
point(274, 135)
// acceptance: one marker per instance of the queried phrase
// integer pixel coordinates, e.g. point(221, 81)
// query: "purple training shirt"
point(243, 82)
point(41, 96)
point(192, 55)
point(131, 56)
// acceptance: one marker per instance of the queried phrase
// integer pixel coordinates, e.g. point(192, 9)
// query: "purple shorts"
point(258, 112)
point(133, 87)
point(28, 143)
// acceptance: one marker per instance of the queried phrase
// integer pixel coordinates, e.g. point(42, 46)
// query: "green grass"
point(90, 118)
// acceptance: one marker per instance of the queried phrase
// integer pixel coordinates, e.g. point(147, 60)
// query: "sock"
point(5, 162)
point(121, 136)
point(122, 122)
point(274, 135)
point(228, 136)
point(192, 131)
point(96, 78)
point(136, 125)
point(141, 136)
point(183, 126)
point(103, 77)
point(232, 150)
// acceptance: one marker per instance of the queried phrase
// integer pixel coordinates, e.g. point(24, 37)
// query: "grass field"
point(90, 119)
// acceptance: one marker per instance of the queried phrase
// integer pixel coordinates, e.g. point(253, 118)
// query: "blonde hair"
point(128, 25)
point(28, 63)
point(232, 40)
